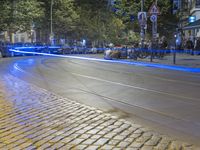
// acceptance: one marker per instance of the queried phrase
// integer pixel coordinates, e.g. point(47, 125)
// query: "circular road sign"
point(153, 18)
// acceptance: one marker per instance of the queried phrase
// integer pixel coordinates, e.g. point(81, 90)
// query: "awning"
point(193, 25)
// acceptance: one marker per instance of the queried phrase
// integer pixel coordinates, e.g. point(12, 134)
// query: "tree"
point(97, 22)
point(19, 15)
point(124, 9)
point(65, 17)
point(4, 13)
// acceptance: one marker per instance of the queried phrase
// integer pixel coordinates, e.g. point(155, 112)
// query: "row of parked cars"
point(43, 48)
point(109, 52)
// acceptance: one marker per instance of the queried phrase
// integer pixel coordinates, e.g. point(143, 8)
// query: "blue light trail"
point(144, 64)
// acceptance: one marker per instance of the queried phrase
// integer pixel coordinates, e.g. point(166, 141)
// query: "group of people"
point(189, 44)
point(161, 44)
point(192, 44)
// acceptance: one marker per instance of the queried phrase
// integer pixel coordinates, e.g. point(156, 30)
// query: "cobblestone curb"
point(32, 118)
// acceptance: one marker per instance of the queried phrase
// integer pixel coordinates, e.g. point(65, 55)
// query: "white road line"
point(131, 86)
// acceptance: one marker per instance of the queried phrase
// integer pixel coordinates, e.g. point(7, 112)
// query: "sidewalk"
point(184, 60)
point(33, 118)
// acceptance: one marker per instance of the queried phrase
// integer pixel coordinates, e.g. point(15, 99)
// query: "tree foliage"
point(124, 9)
point(77, 19)
point(19, 15)
point(65, 16)
point(97, 22)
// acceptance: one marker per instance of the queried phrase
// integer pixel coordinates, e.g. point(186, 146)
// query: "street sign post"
point(154, 9)
point(154, 12)
point(153, 18)
point(142, 18)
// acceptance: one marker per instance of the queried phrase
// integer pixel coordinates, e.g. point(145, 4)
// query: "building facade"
point(195, 13)
point(189, 19)
point(191, 10)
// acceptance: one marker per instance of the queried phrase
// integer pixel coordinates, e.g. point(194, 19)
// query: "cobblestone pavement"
point(33, 118)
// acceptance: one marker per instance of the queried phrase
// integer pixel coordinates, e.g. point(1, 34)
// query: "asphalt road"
point(164, 100)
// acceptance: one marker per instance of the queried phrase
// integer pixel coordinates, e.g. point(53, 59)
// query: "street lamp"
point(142, 26)
point(51, 26)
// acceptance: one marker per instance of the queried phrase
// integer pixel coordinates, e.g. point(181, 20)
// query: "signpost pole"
point(154, 12)
point(153, 41)
point(156, 22)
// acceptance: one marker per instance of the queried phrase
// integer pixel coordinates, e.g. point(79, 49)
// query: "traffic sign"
point(142, 18)
point(153, 18)
point(154, 9)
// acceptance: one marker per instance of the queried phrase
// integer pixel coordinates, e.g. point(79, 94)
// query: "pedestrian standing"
point(197, 44)
point(189, 44)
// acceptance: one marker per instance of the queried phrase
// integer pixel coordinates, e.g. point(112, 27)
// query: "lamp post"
point(142, 26)
point(51, 18)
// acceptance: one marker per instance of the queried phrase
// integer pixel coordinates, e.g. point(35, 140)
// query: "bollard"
point(151, 55)
point(174, 57)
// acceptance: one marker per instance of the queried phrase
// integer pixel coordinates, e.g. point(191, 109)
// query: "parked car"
point(67, 49)
point(91, 50)
point(4, 49)
point(55, 50)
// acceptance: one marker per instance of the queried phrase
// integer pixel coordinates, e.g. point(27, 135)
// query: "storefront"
point(193, 28)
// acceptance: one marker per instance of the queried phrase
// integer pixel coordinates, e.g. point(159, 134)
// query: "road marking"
point(126, 85)
point(144, 75)
point(131, 86)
